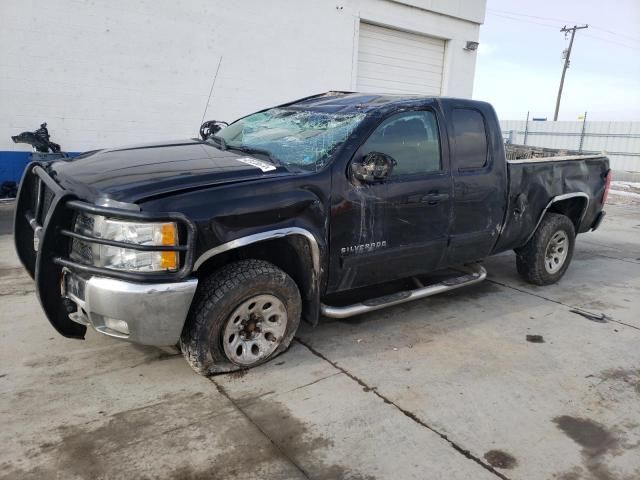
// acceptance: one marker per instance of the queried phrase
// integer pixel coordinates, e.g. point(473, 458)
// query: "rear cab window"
point(470, 140)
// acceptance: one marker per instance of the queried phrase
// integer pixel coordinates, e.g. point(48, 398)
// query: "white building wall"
point(113, 72)
point(473, 10)
point(620, 140)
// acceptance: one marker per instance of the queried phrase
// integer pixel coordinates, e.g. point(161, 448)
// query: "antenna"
point(215, 77)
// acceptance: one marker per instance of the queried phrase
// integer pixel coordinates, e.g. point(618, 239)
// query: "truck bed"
point(527, 152)
point(559, 158)
point(535, 176)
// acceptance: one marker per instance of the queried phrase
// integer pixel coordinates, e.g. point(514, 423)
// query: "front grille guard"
point(44, 191)
point(184, 249)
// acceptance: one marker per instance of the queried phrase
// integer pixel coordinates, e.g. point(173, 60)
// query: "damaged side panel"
point(226, 214)
point(532, 185)
point(397, 228)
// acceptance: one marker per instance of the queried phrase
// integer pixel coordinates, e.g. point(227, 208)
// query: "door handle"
point(434, 198)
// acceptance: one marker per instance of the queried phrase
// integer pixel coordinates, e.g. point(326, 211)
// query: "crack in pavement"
point(466, 453)
point(312, 383)
point(558, 302)
point(284, 454)
point(252, 400)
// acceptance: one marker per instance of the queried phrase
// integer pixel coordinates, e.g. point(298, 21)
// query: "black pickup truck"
point(222, 245)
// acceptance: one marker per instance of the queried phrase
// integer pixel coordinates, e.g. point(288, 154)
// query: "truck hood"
point(131, 174)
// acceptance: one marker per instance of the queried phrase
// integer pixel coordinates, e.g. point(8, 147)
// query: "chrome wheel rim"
point(254, 330)
point(556, 252)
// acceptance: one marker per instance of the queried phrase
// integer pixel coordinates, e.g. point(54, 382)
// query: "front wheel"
point(546, 256)
point(244, 314)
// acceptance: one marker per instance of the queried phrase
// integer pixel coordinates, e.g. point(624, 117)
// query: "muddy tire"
point(243, 315)
point(547, 255)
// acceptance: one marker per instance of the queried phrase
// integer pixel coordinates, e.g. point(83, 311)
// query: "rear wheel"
point(547, 255)
point(245, 314)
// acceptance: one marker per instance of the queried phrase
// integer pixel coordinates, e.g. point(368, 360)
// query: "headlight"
point(121, 258)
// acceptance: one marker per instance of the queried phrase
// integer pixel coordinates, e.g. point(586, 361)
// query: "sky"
point(519, 60)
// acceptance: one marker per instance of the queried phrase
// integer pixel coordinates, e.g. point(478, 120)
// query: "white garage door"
point(394, 61)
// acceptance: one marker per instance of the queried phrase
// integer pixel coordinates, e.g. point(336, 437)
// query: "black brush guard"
point(43, 231)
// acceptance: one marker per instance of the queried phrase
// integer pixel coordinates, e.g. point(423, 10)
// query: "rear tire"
point(547, 255)
point(244, 314)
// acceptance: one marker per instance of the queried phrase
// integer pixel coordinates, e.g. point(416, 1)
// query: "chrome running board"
point(475, 273)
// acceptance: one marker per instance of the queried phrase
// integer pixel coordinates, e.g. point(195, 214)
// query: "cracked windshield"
point(303, 139)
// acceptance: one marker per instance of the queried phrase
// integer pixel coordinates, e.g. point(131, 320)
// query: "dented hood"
point(131, 174)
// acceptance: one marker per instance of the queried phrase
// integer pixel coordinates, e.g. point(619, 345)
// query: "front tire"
point(547, 255)
point(245, 314)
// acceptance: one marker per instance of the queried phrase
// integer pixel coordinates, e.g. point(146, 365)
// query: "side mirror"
point(211, 127)
point(373, 168)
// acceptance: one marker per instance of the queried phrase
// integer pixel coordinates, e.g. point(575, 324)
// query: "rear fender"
point(573, 205)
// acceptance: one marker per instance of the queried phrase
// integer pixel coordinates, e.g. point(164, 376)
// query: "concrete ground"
point(501, 379)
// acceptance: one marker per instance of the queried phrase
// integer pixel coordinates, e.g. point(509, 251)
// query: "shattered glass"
point(299, 138)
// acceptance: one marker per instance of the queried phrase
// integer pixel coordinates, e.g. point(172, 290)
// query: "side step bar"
point(475, 273)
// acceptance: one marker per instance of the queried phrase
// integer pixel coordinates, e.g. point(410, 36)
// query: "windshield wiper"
point(222, 144)
point(219, 141)
point(258, 151)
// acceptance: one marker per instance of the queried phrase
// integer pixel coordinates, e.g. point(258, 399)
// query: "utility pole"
point(566, 62)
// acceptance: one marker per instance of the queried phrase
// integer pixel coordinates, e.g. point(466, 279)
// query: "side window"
point(411, 138)
point(470, 139)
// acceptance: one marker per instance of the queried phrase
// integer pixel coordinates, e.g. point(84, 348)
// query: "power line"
point(525, 21)
point(610, 32)
point(608, 40)
point(615, 42)
point(634, 39)
point(530, 16)
point(566, 62)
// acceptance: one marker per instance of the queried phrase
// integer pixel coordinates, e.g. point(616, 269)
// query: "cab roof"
point(351, 102)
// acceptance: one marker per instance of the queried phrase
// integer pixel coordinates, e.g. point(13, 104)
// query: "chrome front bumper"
point(149, 314)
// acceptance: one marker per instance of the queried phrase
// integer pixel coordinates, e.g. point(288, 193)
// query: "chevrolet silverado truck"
point(221, 245)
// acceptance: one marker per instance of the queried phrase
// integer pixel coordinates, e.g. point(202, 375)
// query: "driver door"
point(398, 227)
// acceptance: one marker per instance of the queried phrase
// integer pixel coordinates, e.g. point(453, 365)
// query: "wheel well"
point(292, 254)
point(573, 208)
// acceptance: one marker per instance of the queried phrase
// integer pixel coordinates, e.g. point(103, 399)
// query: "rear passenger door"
point(478, 185)
point(398, 228)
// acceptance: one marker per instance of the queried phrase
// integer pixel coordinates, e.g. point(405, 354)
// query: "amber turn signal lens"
point(169, 260)
point(168, 234)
